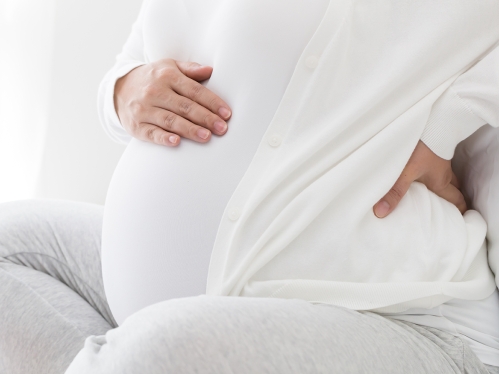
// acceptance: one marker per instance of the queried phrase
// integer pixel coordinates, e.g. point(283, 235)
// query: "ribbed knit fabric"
point(105, 99)
point(450, 121)
point(471, 102)
point(300, 223)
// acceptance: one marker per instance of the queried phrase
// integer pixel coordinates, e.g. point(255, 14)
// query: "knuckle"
point(134, 127)
point(165, 72)
point(447, 178)
point(440, 185)
point(193, 131)
point(169, 121)
point(185, 107)
point(195, 91)
point(192, 64)
point(208, 120)
point(136, 109)
point(149, 133)
point(176, 79)
point(167, 61)
point(214, 102)
point(168, 100)
point(149, 91)
point(396, 192)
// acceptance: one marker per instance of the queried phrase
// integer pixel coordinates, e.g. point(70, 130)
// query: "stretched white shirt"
point(236, 38)
point(164, 204)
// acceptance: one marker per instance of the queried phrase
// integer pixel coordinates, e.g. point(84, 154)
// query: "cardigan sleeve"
point(131, 56)
point(469, 103)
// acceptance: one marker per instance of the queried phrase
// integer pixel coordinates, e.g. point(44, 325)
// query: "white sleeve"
point(469, 103)
point(131, 56)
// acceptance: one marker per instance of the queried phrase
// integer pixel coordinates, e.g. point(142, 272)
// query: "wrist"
point(120, 88)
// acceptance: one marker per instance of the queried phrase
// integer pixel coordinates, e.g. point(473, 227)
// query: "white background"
point(53, 54)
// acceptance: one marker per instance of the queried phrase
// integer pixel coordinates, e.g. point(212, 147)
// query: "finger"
point(193, 112)
point(390, 201)
point(455, 181)
point(172, 122)
point(452, 194)
point(201, 95)
point(194, 70)
point(153, 134)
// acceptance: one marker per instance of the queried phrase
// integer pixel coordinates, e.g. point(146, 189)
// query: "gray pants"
point(54, 318)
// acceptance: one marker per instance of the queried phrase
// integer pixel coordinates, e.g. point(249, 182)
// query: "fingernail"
point(203, 133)
point(173, 139)
point(220, 126)
point(381, 210)
point(224, 112)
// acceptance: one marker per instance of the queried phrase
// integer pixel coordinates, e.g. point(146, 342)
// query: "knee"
point(31, 223)
point(17, 222)
point(185, 327)
point(196, 334)
point(176, 336)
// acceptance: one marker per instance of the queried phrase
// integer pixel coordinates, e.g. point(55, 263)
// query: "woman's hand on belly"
point(162, 100)
point(426, 167)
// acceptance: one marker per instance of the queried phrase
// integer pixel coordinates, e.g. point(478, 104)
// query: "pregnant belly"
point(161, 217)
point(164, 206)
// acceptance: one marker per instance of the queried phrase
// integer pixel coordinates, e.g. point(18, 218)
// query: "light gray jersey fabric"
point(53, 308)
point(51, 293)
point(225, 335)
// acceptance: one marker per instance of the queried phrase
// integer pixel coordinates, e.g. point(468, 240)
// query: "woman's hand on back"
point(162, 100)
point(426, 167)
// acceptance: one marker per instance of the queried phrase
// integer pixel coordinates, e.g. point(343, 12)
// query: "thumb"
point(390, 201)
point(194, 70)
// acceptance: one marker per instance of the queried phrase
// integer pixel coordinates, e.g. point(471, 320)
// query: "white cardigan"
point(300, 223)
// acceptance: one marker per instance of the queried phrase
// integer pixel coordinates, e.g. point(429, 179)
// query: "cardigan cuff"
point(450, 122)
point(109, 118)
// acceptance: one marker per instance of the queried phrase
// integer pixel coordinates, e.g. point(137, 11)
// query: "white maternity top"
point(164, 205)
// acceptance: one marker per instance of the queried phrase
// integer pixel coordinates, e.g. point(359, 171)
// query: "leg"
point(50, 284)
point(221, 335)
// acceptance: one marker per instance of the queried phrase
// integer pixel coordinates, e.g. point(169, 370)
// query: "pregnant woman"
point(167, 200)
point(245, 121)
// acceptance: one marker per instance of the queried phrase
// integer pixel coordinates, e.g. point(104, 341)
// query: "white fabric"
point(343, 111)
point(475, 321)
point(471, 102)
point(164, 204)
point(346, 130)
point(476, 163)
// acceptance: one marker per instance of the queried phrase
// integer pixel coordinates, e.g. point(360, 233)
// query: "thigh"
point(59, 238)
point(254, 335)
point(43, 323)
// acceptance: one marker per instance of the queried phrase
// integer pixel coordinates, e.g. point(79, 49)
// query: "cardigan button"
point(275, 140)
point(312, 62)
point(234, 213)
